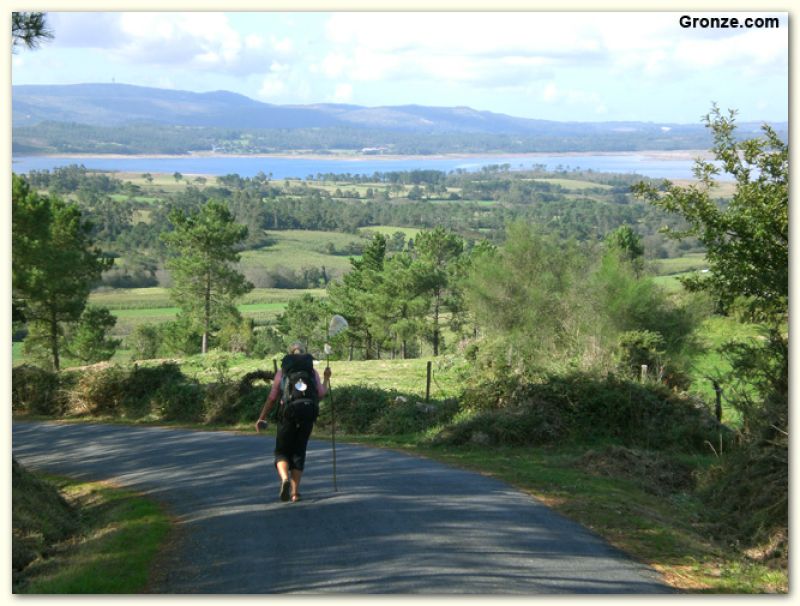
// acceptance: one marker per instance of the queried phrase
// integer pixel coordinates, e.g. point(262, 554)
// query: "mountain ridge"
point(91, 117)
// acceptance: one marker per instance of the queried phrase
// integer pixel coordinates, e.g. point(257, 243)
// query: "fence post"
point(428, 384)
point(644, 373)
point(718, 391)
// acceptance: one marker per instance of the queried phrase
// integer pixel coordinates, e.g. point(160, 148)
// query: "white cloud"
point(272, 86)
point(550, 93)
point(334, 64)
point(343, 93)
point(513, 49)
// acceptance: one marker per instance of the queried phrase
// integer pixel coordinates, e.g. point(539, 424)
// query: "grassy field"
point(679, 265)
point(574, 184)
point(296, 249)
point(389, 230)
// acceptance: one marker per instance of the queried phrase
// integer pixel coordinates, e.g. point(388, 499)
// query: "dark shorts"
point(291, 443)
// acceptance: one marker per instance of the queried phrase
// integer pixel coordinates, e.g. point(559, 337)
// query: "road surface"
point(398, 524)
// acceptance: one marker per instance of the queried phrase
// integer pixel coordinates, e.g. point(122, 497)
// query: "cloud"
point(190, 40)
point(343, 93)
point(514, 49)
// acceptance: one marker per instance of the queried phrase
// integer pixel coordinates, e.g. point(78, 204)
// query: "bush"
point(356, 407)
point(370, 410)
point(123, 392)
point(144, 381)
point(99, 391)
point(35, 391)
point(221, 401)
point(580, 407)
point(747, 495)
point(144, 342)
point(180, 402)
point(41, 518)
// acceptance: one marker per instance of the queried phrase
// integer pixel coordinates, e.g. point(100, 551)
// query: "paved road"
point(398, 524)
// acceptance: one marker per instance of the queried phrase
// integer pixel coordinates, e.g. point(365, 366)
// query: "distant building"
point(372, 151)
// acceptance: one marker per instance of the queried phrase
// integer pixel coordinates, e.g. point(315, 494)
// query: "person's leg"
point(283, 469)
point(297, 474)
point(282, 461)
point(298, 459)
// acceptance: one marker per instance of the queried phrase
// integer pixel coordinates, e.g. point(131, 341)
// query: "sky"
point(571, 66)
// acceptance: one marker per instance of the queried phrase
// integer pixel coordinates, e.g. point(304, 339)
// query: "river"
point(657, 165)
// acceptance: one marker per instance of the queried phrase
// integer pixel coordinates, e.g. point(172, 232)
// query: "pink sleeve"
point(321, 389)
point(276, 386)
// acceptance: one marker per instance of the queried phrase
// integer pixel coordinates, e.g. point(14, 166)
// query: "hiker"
point(299, 406)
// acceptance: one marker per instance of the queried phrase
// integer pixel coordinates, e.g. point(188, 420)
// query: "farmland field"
point(296, 249)
point(574, 184)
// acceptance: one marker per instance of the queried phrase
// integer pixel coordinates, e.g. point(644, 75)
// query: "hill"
point(121, 118)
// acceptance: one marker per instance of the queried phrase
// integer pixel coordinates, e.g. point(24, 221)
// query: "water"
point(281, 167)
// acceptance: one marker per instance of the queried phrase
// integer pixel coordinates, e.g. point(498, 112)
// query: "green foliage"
point(89, 341)
point(528, 297)
point(580, 408)
point(54, 264)
point(747, 242)
point(180, 336)
point(236, 336)
point(35, 391)
point(366, 409)
point(748, 496)
point(179, 402)
point(142, 382)
point(99, 392)
point(305, 320)
point(203, 248)
point(629, 244)
point(747, 239)
point(144, 342)
point(40, 518)
point(29, 29)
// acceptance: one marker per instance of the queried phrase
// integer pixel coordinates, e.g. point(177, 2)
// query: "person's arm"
point(323, 386)
point(271, 398)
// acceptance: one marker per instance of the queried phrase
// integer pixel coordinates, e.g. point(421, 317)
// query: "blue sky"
point(556, 66)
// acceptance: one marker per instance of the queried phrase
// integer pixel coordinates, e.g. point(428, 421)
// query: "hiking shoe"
point(286, 490)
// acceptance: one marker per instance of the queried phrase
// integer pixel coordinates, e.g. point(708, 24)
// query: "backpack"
point(299, 399)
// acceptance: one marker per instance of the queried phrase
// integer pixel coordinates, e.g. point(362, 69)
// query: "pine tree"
point(54, 266)
point(203, 247)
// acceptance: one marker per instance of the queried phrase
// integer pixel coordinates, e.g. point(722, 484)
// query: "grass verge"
point(112, 553)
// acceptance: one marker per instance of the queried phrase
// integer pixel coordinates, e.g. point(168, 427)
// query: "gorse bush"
point(182, 402)
point(581, 407)
point(35, 391)
point(121, 391)
point(365, 409)
point(99, 392)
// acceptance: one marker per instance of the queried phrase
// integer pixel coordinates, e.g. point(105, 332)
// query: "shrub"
point(180, 402)
point(89, 341)
point(582, 407)
point(221, 401)
point(356, 407)
point(144, 342)
point(118, 391)
point(404, 415)
point(144, 381)
point(371, 410)
point(99, 391)
point(35, 391)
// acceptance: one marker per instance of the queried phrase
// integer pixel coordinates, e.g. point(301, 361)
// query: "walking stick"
point(337, 325)
point(333, 418)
